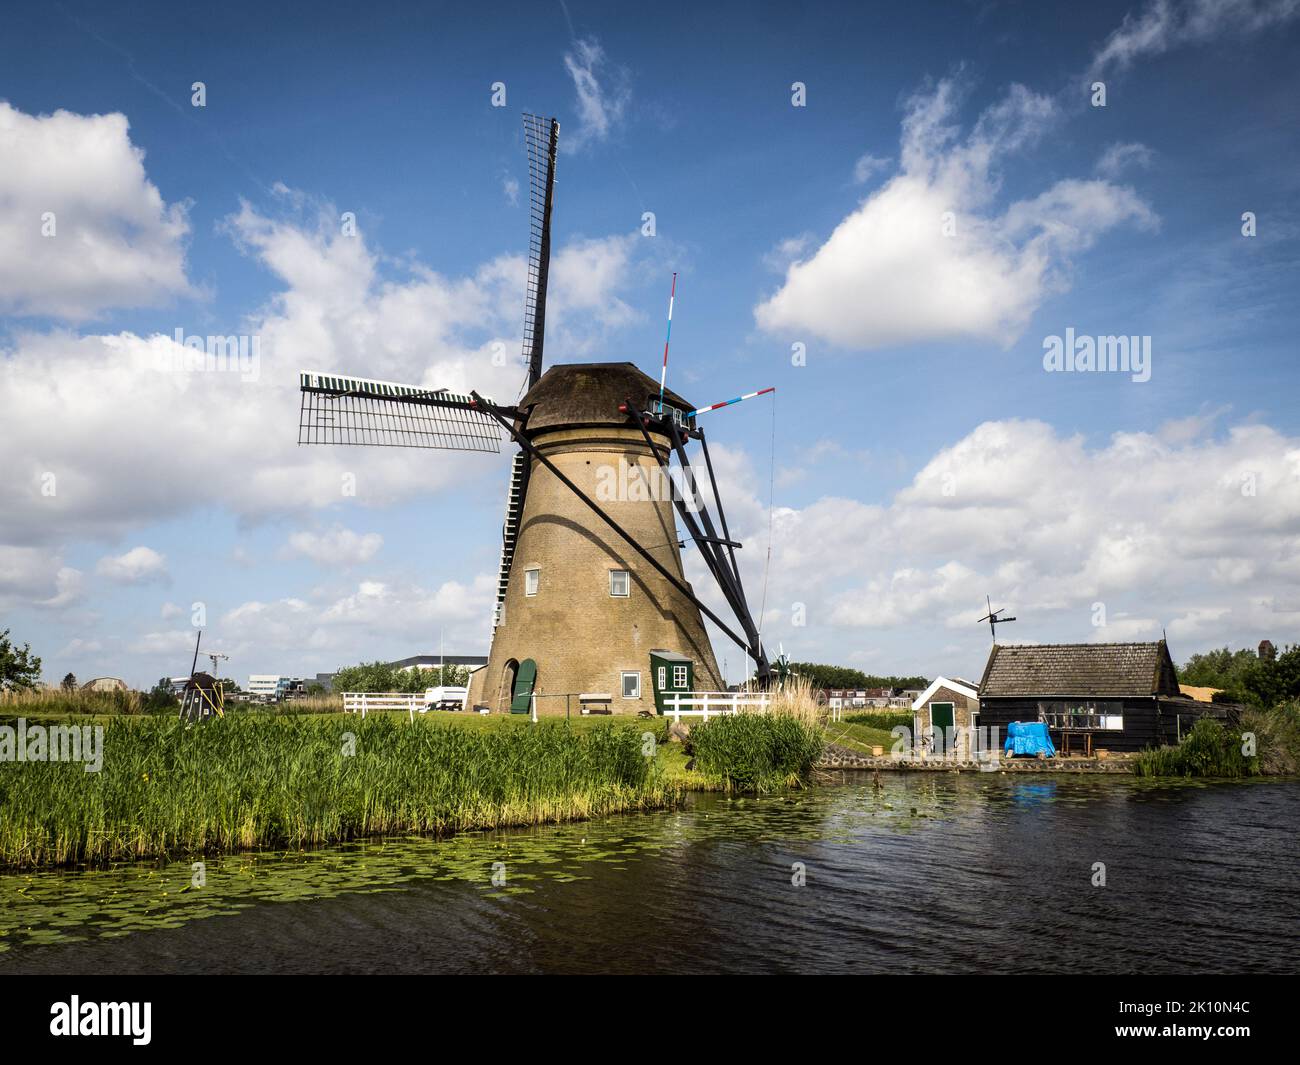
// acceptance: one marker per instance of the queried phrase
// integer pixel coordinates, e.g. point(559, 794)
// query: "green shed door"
point(941, 715)
point(522, 702)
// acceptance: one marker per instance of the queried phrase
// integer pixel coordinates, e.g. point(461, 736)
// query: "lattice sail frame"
point(356, 410)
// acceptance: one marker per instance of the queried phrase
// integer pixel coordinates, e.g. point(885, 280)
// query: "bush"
point(756, 752)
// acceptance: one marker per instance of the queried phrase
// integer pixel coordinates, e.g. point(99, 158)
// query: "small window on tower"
point(631, 685)
point(532, 578)
point(620, 582)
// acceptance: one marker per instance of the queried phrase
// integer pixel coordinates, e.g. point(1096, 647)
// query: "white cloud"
point(867, 166)
point(603, 93)
point(128, 443)
point(36, 575)
point(136, 566)
point(116, 243)
point(335, 547)
point(373, 619)
point(510, 186)
point(787, 251)
point(1163, 25)
point(1118, 157)
point(927, 257)
point(1164, 535)
point(173, 646)
point(68, 585)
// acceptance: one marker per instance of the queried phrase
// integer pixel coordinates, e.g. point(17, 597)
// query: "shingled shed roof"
point(588, 393)
point(1080, 669)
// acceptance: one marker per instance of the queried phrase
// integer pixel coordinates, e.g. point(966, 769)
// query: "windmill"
point(203, 696)
point(581, 599)
point(992, 618)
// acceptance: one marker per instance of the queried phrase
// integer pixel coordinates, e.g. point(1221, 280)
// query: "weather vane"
point(992, 618)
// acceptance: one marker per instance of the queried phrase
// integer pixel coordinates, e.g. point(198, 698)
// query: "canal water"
point(925, 873)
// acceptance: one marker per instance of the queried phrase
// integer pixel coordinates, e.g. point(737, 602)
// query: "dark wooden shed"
point(1112, 696)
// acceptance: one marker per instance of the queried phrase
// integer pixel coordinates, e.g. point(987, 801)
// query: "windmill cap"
point(590, 393)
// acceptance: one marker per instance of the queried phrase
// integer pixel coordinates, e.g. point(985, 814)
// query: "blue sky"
point(1173, 503)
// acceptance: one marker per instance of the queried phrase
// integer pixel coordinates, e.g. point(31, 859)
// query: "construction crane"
point(215, 656)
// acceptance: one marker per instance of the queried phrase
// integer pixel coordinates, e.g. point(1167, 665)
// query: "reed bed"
point(1209, 750)
point(55, 701)
point(797, 698)
point(757, 752)
point(168, 789)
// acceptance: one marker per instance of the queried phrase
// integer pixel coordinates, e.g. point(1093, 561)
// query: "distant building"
point(868, 698)
point(946, 703)
point(1116, 696)
point(434, 661)
point(268, 687)
point(105, 684)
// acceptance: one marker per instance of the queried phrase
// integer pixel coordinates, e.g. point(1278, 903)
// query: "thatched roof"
point(589, 393)
point(1080, 669)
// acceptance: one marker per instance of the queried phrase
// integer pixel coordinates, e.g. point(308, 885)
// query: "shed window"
point(532, 577)
point(679, 676)
point(631, 685)
point(663, 678)
point(1083, 715)
point(619, 582)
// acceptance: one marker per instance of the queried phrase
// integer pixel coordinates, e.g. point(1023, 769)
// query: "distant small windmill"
point(992, 618)
point(203, 696)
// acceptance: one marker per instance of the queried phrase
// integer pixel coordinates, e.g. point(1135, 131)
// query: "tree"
point(381, 677)
point(20, 670)
point(1245, 677)
point(161, 699)
point(824, 676)
point(69, 683)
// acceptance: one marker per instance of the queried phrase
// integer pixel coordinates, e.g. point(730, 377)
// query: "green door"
point(522, 702)
point(941, 716)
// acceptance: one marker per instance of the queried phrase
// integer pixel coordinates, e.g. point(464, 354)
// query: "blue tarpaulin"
point(1028, 737)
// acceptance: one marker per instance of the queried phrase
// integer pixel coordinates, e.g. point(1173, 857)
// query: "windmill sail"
point(542, 136)
point(355, 410)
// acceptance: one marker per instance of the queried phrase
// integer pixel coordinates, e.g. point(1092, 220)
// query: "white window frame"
point(533, 577)
point(622, 683)
point(663, 678)
point(679, 677)
point(627, 576)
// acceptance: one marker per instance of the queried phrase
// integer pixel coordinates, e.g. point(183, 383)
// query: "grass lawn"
point(859, 737)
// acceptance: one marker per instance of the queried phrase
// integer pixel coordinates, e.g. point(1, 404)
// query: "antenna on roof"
point(992, 618)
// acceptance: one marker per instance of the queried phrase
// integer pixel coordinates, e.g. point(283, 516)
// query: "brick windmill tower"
point(591, 582)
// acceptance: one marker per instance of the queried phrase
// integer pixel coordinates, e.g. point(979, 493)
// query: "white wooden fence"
point(361, 702)
point(678, 705)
